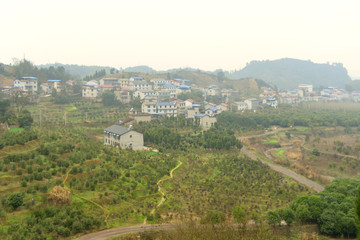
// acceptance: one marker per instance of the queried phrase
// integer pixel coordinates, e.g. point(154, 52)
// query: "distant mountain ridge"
point(288, 73)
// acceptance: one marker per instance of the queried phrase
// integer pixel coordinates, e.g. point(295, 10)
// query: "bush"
point(273, 218)
point(213, 217)
point(15, 200)
point(63, 231)
point(77, 227)
point(239, 215)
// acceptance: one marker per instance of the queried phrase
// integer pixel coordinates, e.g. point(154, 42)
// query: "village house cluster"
point(159, 98)
point(306, 93)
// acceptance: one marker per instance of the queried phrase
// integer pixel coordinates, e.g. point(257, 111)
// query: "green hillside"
point(288, 73)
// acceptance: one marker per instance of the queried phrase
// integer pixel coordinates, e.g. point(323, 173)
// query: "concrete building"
point(124, 83)
point(241, 106)
point(160, 108)
point(252, 103)
point(139, 85)
point(272, 102)
point(211, 111)
point(167, 108)
point(306, 87)
point(123, 95)
point(183, 89)
point(105, 88)
point(149, 107)
point(212, 90)
point(189, 102)
point(110, 81)
point(124, 138)
point(142, 94)
point(158, 83)
point(54, 84)
point(192, 110)
point(26, 84)
point(91, 91)
point(206, 121)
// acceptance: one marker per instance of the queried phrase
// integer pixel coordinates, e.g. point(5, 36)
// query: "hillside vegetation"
point(288, 73)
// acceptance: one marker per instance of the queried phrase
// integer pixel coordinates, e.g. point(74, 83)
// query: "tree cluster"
point(333, 209)
point(288, 117)
point(11, 138)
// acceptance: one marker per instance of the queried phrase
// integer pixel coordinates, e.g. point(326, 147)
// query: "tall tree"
point(357, 211)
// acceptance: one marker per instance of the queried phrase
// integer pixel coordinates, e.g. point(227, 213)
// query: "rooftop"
point(54, 80)
point(140, 82)
point(165, 103)
point(116, 129)
point(185, 86)
point(27, 78)
point(195, 105)
point(214, 109)
point(212, 86)
point(169, 85)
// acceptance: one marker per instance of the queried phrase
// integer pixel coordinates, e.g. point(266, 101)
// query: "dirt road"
point(285, 171)
point(123, 230)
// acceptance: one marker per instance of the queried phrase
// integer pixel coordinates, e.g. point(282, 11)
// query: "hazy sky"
point(188, 33)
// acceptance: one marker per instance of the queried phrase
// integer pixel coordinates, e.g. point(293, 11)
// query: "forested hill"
point(79, 71)
point(288, 73)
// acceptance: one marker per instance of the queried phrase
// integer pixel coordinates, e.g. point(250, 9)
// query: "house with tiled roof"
point(123, 137)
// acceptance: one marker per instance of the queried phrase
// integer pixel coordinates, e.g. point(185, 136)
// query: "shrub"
point(273, 218)
point(15, 200)
point(59, 195)
point(213, 217)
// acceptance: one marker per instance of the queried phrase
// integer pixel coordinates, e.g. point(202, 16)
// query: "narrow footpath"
point(163, 198)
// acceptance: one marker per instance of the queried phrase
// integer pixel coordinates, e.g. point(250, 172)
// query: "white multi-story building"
point(161, 108)
point(167, 108)
point(90, 91)
point(141, 85)
point(158, 83)
point(27, 84)
point(149, 107)
point(142, 94)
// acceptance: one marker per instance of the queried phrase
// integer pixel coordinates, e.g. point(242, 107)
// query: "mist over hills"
point(283, 73)
point(79, 71)
point(288, 73)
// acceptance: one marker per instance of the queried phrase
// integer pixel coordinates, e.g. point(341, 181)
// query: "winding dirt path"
point(317, 187)
point(123, 230)
point(163, 198)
